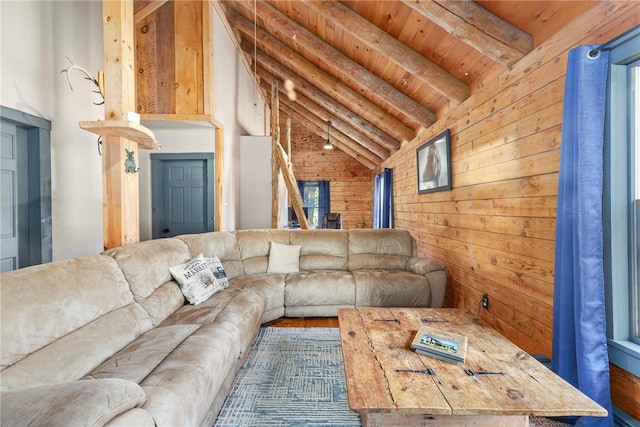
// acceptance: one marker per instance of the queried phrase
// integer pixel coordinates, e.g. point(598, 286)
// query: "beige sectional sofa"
point(109, 340)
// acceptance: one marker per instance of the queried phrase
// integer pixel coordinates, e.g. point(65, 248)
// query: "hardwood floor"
point(304, 322)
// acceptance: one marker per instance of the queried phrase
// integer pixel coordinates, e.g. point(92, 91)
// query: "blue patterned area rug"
point(292, 377)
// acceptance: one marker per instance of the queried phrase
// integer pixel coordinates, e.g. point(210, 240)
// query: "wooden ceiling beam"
point(361, 128)
point(324, 115)
point(337, 138)
point(312, 127)
point(351, 152)
point(318, 127)
point(322, 80)
point(403, 56)
point(350, 72)
point(338, 110)
point(477, 27)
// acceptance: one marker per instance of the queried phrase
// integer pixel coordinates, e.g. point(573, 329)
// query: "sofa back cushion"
point(382, 248)
point(322, 249)
point(146, 267)
point(222, 244)
point(60, 320)
point(254, 247)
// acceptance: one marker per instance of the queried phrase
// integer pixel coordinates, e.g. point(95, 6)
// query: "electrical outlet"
point(485, 301)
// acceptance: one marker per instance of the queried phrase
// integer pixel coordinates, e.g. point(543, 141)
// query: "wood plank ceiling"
point(382, 70)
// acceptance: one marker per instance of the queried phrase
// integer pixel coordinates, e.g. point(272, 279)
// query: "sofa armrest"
point(79, 403)
point(420, 265)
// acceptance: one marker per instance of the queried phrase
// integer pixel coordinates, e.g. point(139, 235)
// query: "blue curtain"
point(324, 202)
point(579, 323)
point(375, 223)
point(383, 199)
point(324, 196)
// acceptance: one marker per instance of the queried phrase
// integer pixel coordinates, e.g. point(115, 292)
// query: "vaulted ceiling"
point(382, 70)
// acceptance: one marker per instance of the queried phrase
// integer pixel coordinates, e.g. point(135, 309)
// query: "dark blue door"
point(182, 200)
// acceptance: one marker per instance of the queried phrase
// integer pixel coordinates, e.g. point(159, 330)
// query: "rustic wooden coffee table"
point(499, 384)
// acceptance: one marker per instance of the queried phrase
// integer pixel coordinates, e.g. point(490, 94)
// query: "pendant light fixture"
point(328, 145)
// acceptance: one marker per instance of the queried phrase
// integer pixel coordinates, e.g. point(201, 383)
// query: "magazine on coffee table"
point(440, 344)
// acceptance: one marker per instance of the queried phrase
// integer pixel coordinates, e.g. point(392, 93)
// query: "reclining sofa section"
point(110, 339)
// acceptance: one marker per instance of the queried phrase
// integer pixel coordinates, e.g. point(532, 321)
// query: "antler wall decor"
point(99, 82)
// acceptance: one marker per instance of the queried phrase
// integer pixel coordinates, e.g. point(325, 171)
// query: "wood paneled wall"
point(496, 229)
point(173, 59)
point(351, 182)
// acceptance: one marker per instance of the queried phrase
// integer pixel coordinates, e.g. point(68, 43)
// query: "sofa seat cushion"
point(320, 288)
point(78, 403)
point(238, 311)
point(270, 286)
point(181, 389)
point(391, 288)
point(230, 299)
point(144, 355)
point(133, 417)
point(182, 366)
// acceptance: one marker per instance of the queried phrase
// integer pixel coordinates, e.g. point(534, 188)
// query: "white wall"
point(240, 112)
point(35, 36)
point(185, 140)
point(255, 182)
point(239, 109)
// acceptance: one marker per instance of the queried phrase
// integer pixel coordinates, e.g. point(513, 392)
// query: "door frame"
point(157, 164)
point(37, 246)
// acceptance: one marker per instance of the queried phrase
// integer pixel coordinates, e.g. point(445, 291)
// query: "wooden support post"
point(279, 162)
point(275, 141)
point(292, 187)
point(288, 133)
point(120, 189)
point(219, 174)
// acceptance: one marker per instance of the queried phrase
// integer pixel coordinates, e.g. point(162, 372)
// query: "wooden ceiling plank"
point(359, 78)
point(336, 122)
point(477, 27)
point(323, 81)
point(388, 46)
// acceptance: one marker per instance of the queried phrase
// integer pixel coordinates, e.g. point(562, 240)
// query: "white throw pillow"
point(218, 271)
point(284, 258)
point(196, 279)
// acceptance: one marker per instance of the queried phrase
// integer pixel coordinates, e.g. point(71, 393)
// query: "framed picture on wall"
point(434, 164)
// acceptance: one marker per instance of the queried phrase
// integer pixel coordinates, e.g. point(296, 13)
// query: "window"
point(622, 203)
point(383, 199)
point(315, 198)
